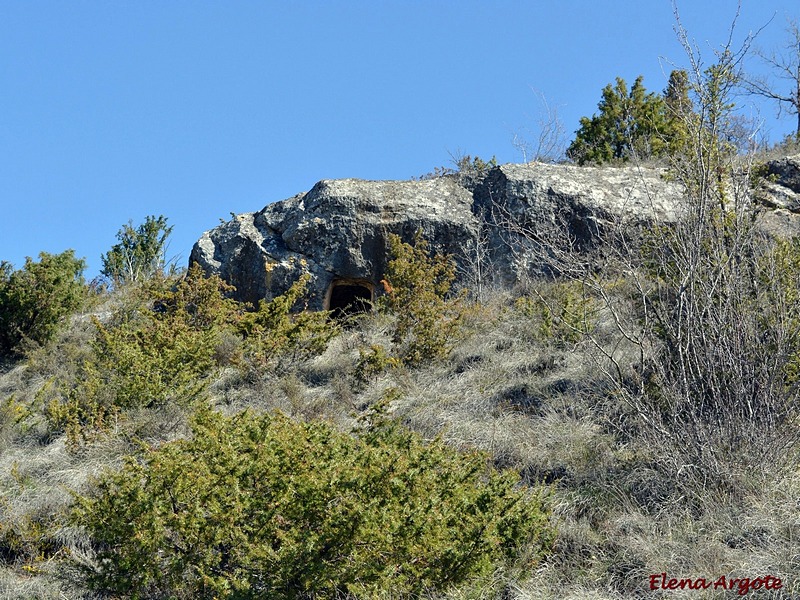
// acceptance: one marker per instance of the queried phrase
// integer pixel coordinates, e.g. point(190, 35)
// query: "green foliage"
point(165, 347)
point(563, 311)
point(260, 506)
point(632, 123)
point(200, 302)
point(26, 540)
point(680, 111)
point(28, 533)
point(162, 351)
point(35, 300)
point(373, 362)
point(139, 255)
point(272, 333)
point(464, 166)
point(476, 167)
point(13, 415)
point(417, 287)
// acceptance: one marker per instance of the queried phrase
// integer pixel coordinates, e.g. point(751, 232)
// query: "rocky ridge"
point(338, 230)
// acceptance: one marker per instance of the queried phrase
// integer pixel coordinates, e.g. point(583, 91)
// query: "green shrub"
point(562, 311)
point(273, 334)
point(417, 287)
point(466, 165)
point(165, 347)
point(139, 255)
point(35, 300)
point(634, 124)
point(371, 363)
point(161, 352)
point(28, 539)
point(260, 506)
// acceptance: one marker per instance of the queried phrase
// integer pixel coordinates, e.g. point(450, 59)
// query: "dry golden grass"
point(537, 405)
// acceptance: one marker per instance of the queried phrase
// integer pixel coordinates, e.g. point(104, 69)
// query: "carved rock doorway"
point(348, 297)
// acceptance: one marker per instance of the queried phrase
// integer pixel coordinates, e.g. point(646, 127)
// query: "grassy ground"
point(537, 403)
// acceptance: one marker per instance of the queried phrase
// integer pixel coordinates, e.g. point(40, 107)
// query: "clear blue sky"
point(115, 110)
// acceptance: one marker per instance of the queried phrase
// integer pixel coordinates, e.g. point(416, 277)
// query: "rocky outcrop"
point(778, 189)
point(566, 207)
point(338, 230)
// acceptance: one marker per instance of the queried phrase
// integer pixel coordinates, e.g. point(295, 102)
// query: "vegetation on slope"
point(36, 299)
point(635, 124)
point(261, 506)
point(196, 504)
point(171, 443)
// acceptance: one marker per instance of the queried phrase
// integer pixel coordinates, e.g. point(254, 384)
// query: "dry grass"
point(540, 406)
point(36, 485)
point(544, 409)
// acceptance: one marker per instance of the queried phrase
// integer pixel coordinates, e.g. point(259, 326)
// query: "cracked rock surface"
point(339, 229)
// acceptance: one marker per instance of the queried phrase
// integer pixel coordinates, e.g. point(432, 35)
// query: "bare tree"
point(705, 309)
point(476, 265)
point(546, 142)
point(783, 84)
point(715, 302)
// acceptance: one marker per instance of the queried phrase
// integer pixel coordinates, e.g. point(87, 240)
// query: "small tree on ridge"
point(139, 255)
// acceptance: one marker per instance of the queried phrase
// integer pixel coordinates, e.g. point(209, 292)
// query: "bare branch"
point(785, 69)
point(546, 142)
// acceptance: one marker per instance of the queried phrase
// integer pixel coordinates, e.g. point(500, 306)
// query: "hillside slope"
point(647, 394)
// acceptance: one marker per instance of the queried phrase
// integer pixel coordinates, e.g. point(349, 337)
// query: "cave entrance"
point(348, 297)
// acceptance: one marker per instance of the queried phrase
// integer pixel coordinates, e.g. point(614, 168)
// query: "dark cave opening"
point(348, 298)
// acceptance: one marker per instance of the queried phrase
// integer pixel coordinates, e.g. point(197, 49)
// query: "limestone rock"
point(338, 230)
point(778, 190)
point(780, 184)
point(567, 206)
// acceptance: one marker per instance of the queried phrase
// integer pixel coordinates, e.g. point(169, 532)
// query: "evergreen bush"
point(417, 287)
point(273, 334)
point(633, 123)
point(260, 506)
point(35, 300)
point(139, 255)
point(162, 351)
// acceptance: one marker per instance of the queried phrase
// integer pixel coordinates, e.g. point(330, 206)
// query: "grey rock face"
point(338, 230)
point(566, 206)
point(783, 175)
point(535, 189)
point(778, 190)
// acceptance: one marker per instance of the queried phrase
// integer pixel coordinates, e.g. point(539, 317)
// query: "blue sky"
point(114, 110)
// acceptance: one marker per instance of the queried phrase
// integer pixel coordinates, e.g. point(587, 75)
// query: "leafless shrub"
point(704, 309)
point(782, 84)
point(546, 141)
